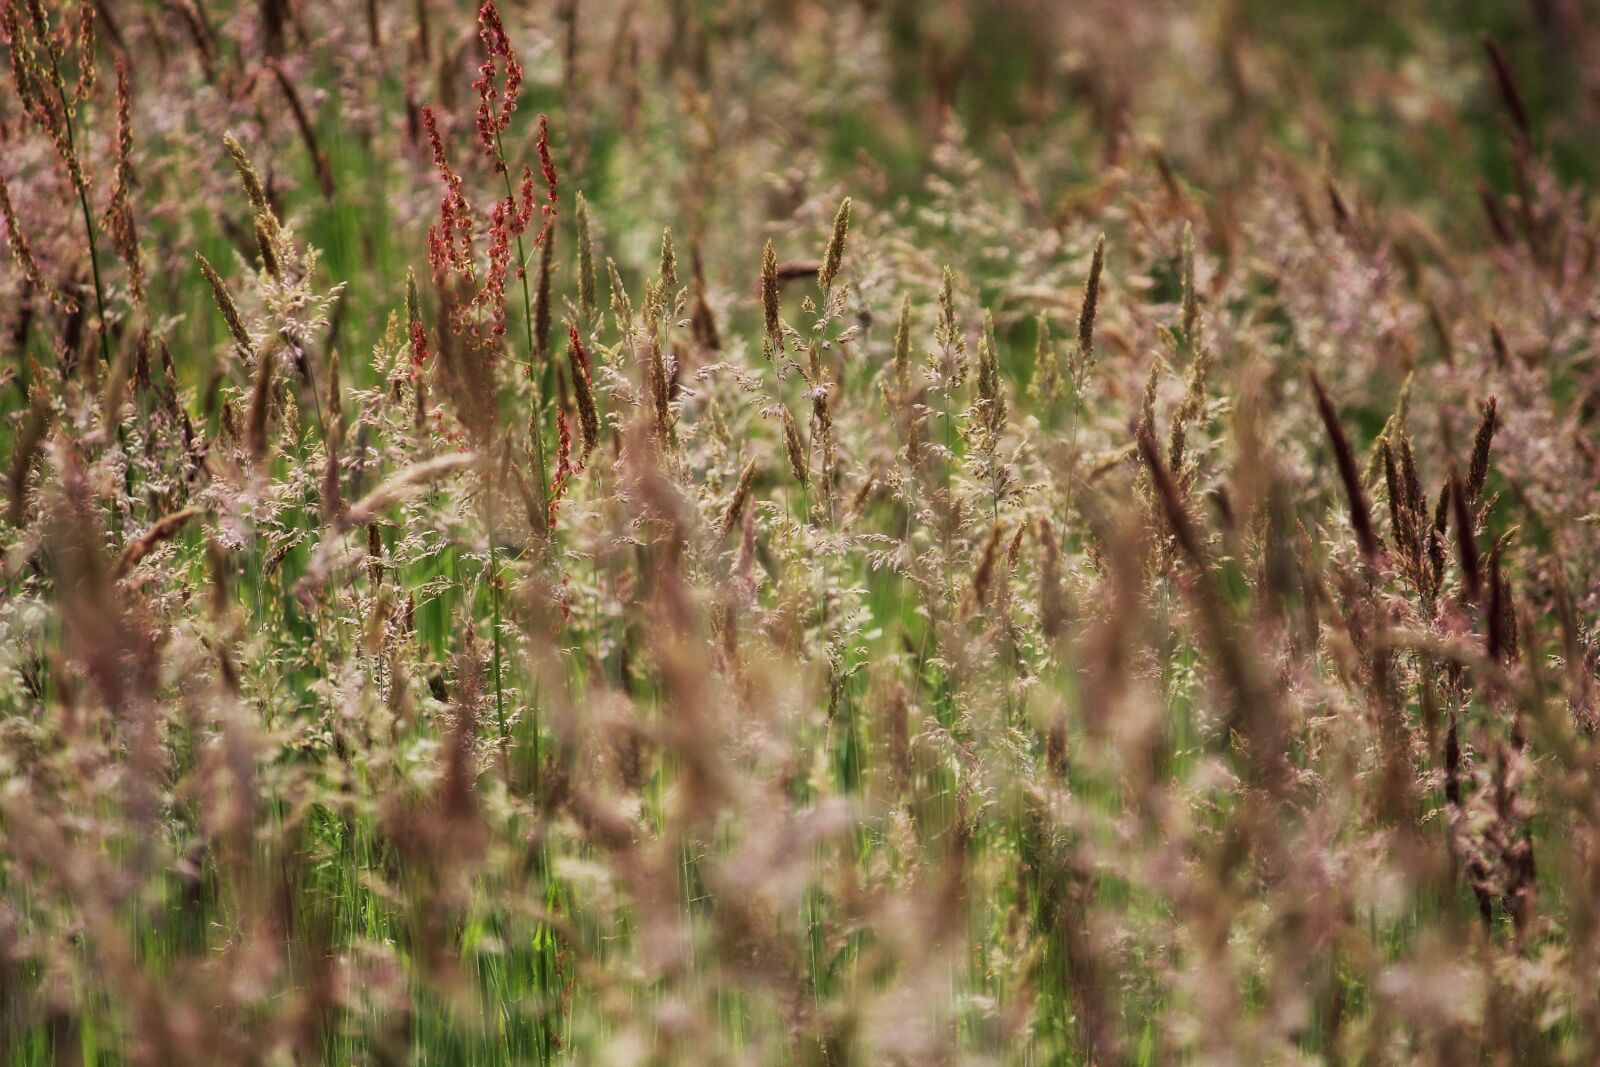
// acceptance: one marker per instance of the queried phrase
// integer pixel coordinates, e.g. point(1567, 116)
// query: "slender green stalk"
point(82, 190)
point(543, 934)
point(527, 321)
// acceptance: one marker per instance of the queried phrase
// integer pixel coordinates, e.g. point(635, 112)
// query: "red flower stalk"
point(493, 293)
point(22, 249)
point(419, 344)
point(83, 45)
point(494, 116)
point(524, 209)
point(450, 241)
point(564, 467)
point(548, 168)
point(40, 56)
point(576, 344)
point(509, 221)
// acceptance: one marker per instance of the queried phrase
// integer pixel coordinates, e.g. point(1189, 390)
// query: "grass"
point(1114, 586)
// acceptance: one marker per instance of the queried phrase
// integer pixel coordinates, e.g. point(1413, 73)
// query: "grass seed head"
point(834, 256)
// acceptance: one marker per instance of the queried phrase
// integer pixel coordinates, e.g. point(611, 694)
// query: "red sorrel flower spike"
point(564, 468)
point(525, 199)
point(83, 44)
point(494, 116)
point(419, 344)
point(450, 240)
point(577, 347)
point(502, 228)
point(547, 167)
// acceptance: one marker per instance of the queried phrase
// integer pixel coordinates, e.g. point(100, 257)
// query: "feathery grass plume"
point(834, 256)
point(1046, 384)
point(163, 529)
point(733, 511)
point(230, 310)
point(1436, 534)
point(119, 220)
point(667, 272)
point(264, 245)
point(653, 308)
point(1190, 408)
point(536, 513)
point(905, 396)
point(1501, 640)
point(1252, 714)
point(1393, 426)
point(1507, 84)
point(660, 385)
point(250, 178)
point(991, 390)
point(1147, 400)
point(1466, 538)
point(1402, 520)
point(1191, 302)
point(947, 333)
point(1170, 497)
point(1482, 442)
point(769, 296)
point(402, 485)
point(983, 576)
point(1412, 485)
point(621, 304)
point(24, 451)
point(586, 269)
point(798, 455)
point(902, 348)
point(820, 386)
point(1356, 497)
point(1083, 360)
point(1052, 601)
point(588, 416)
point(58, 116)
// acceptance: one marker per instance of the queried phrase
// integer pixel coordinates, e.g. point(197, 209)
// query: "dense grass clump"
point(770, 532)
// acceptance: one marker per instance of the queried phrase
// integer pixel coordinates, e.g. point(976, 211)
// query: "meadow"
point(655, 532)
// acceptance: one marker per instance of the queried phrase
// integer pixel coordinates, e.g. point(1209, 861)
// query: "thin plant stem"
point(527, 321)
point(88, 218)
